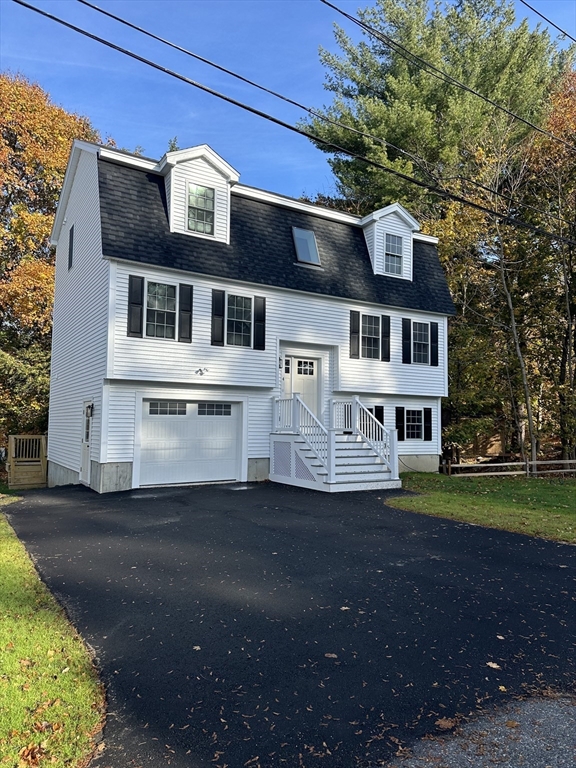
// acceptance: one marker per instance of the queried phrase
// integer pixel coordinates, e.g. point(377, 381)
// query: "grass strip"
point(544, 507)
point(51, 701)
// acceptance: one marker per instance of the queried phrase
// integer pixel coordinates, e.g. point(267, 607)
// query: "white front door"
point(86, 438)
point(301, 375)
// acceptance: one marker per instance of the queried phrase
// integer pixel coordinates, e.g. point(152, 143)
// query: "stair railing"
point(384, 442)
point(310, 429)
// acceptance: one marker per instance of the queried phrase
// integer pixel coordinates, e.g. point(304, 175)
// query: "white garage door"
point(184, 442)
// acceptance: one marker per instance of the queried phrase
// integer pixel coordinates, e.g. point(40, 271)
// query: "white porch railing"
point(292, 415)
point(353, 416)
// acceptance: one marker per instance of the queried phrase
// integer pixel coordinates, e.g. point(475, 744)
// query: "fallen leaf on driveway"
point(331, 655)
point(493, 665)
point(512, 724)
point(445, 723)
point(344, 608)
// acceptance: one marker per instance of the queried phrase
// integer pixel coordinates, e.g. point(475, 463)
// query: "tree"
point(446, 136)
point(35, 140)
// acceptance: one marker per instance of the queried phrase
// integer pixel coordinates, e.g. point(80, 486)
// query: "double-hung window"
point(393, 255)
point(419, 342)
point(201, 209)
point(159, 310)
point(238, 321)
point(369, 336)
point(414, 423)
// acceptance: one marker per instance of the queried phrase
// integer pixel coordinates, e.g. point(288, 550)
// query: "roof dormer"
point(198, 183)
point(389, 234)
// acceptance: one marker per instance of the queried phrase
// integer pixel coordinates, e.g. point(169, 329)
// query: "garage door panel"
point(185, 447)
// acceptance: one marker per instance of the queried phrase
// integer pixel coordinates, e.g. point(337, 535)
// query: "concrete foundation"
point(416, 463)
point(59, 475)
point(114, 476)
point(258, 470)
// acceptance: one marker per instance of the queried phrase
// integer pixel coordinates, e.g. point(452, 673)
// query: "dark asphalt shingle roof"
point(261, 250)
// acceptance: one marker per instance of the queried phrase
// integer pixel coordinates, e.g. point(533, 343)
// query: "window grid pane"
point(214, 409)
point(421, 342)
point(371, 337)
point(306, 367)
point(161, 311)
point(167, 408)
point(393, 255)
point(239, 325)
point(201, 209)
point(413, 425)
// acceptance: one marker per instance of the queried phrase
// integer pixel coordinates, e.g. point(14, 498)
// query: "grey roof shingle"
point(261, 250)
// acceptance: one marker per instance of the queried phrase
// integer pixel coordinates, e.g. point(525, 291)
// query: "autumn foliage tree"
point(35, 140)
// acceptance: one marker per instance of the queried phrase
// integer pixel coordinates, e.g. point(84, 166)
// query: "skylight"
point(306, 248)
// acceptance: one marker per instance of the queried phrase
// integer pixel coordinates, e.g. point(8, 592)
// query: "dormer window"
point(393, 255)
point(306, 248)
point(201, 209)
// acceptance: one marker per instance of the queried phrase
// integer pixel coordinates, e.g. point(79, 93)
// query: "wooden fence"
point(26, 464)
point(526, 468)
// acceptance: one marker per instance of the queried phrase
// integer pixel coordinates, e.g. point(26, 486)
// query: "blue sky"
point(274, 42)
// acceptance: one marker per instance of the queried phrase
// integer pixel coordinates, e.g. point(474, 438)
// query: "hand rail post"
point(355, 409)
point(295, 412)
point(394, 475)
point(331, 455)
point(331, 416)
point(275, 414)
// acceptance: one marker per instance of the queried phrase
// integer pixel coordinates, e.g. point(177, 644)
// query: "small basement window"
point(201, 209)
point(306, 248)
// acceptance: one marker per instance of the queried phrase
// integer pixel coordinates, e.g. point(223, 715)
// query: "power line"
point(438, 73)
point(420, 162)
point(563, 32)
point(505, 218)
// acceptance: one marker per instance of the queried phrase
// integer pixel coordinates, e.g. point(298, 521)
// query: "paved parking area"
point(263, 625)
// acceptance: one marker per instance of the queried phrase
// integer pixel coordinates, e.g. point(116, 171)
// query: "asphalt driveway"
point(263, 625)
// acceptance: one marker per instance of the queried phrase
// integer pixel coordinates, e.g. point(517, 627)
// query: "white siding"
point(292, 319)
point(199, 172)
point(80, 332)
point(411, 447)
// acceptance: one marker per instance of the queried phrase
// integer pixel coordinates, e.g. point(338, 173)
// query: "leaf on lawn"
point(493, 665)
point(31, 755)
point(331, 655)
point(446, 723)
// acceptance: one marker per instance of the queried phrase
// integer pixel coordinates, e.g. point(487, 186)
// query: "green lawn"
point(536, 506)
point(51, 702)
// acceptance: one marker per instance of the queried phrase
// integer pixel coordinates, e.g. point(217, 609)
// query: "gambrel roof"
point(135, 227)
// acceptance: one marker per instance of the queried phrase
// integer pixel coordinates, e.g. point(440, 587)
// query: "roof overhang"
point(203, 151)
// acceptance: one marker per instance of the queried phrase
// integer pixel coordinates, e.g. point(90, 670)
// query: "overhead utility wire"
point(420, 162)
point(440, 74)
point(562, 31)
point(434, 189)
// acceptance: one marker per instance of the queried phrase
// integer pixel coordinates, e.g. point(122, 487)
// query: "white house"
point(206, 331)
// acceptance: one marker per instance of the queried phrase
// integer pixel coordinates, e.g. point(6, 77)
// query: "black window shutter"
point(259, 322)
point(185, 295)
point(428, 424)
point(406, 340)
point(385, 351)
point(400, 423)
point(70, 246)
point(379, 413)
point(355, 334)
point(135, 305)
point(433, 343)
point(218, 300)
